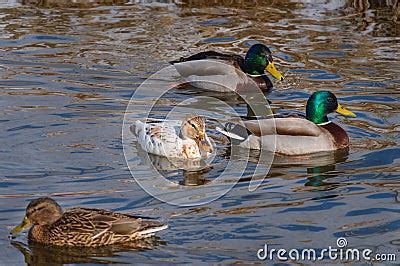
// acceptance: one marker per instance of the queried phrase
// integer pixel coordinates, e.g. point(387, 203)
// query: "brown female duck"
point(82, 226)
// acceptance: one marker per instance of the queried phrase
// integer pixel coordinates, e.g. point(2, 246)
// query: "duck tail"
point(150, 227)
point(234, 131)
point(151, 231)
point(229, 134)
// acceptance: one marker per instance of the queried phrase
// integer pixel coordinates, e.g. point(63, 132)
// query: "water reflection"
point(320, 174)
point(36, 254)
point(171, 164)
point(67, 75)
point(363, 5)
point(378, 18)
point(195, 178)
point(72, 4)
point(320, 167)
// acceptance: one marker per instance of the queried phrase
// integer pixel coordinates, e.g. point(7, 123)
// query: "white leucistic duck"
point(185, 139)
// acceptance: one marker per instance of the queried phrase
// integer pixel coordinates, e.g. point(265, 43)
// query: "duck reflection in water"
point(38, 254)
point(195, 178)
point(320, 174)
point(319, 166)
point(193, 171)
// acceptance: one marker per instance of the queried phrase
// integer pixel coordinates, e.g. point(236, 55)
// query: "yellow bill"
point(343, 111)
point(22, 226)
point(273, 71)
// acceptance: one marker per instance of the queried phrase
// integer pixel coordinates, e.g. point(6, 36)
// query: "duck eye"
point(193, 125)
point(38, 208)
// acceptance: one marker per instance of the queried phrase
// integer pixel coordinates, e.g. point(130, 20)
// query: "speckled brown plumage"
point(183, 139)
point(84, 226)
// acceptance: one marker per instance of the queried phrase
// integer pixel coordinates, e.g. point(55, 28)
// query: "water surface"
point(67, 74)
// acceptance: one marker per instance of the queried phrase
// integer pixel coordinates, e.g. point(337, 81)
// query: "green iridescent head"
point(322, 103)
point(258, 60)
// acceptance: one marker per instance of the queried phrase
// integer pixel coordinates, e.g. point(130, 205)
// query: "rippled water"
point(68, 72)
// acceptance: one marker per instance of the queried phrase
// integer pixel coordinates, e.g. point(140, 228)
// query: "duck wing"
point(287, 134)
point(293, 126)
point(233, 59)
point(214, 71)
point(85, 226)
point(285, 124)
point(160, 138)
point(214, 75)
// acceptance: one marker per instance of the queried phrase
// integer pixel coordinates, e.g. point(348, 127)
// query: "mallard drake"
point(239, 76)
point(82, 226)
point(185, 139)
point(294, 134)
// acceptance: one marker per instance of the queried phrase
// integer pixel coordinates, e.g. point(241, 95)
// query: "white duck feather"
point(174, 138)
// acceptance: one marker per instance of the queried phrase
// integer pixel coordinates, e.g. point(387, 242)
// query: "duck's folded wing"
point(125, 225)
point(204, 68)
point(131, 226)
point(102, 224)
point(212, 75)
point(292, 126)
point(209, 55)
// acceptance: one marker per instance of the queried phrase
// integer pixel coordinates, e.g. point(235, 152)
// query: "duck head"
point(42, 211)
point(193, 127)
point(258, 60)
point(322, 103)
